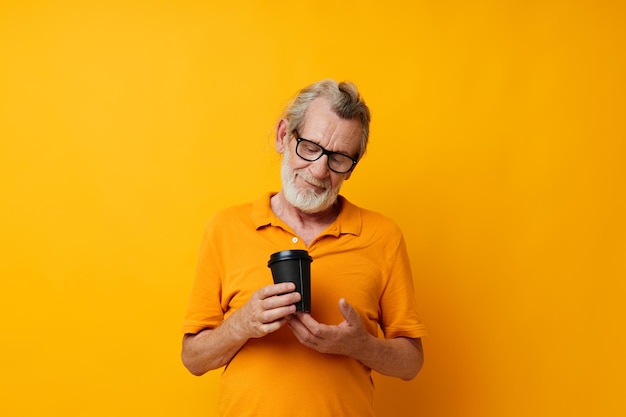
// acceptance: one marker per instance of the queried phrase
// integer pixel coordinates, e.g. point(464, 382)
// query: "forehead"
point(322, 125)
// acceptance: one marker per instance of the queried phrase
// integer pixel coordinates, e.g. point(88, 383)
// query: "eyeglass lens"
point(311, 151)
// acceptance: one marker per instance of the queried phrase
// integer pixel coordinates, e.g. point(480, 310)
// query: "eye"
point(310, 148)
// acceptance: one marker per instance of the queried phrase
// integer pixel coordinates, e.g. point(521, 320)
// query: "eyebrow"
point(356, 157)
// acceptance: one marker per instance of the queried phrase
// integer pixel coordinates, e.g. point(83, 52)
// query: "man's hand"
point(346, 338)
point(266, 311)
point(401, 357)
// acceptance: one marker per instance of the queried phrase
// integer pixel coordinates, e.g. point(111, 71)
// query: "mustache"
point(312, 180)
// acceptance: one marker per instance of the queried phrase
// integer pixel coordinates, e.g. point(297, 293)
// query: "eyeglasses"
point(311, 151)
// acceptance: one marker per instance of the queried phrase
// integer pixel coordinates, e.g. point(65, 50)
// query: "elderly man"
point(279, 362)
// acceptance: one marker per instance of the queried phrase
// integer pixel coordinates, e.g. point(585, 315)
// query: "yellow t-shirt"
point(361, 257)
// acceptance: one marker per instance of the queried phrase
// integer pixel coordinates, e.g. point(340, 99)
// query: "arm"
point(399, 357)
point(264, 313)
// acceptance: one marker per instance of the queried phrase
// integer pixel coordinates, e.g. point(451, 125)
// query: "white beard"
point(306, 200)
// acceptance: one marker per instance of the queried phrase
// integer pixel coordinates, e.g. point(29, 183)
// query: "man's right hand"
point(265, 312)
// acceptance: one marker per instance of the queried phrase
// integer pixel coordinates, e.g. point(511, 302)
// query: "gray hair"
point(344, 99)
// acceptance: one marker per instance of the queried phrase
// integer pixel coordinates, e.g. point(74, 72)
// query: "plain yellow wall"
point(498, 144)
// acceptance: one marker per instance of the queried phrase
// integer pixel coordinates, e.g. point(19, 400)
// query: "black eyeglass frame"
point(324, 152)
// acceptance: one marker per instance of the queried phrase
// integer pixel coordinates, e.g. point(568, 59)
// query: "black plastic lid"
point(286, 255)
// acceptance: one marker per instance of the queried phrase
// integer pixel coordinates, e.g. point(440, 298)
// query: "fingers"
point(276, 314)
point(278, 301)
point(301, 330)
point(341, 339)
point(347, 311)
point(268, 308)
point(276, 289)
point(271, 327)
point(307, 329)
point(310, 323)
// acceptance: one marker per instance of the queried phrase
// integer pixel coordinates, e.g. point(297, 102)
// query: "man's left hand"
point(347, 338)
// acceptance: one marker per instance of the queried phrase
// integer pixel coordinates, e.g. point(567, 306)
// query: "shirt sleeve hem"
point(414, 333)
point(196, 327)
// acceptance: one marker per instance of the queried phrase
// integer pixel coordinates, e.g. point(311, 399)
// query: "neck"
point(299, 219)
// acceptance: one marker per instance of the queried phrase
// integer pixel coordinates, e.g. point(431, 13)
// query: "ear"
point(282, 135)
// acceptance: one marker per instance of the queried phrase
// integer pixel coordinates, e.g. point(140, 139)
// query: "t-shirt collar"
point(348, 221)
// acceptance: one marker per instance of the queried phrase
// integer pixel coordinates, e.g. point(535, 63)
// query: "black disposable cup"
point(294, 266)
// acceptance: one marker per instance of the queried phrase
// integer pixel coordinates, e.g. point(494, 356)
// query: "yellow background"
point(498, 145)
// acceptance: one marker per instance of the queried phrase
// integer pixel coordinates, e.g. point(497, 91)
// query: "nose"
point(319, 169)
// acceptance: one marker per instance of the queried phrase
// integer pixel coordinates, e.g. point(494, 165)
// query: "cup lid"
point(286, 255)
